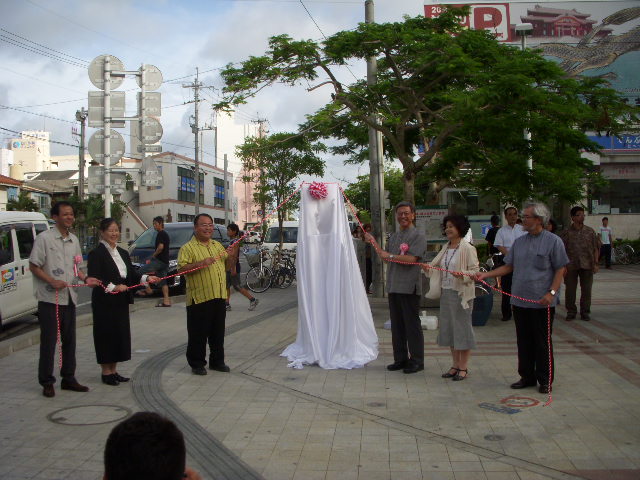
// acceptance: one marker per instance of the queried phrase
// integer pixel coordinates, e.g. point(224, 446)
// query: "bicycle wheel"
point(259, 279)
point(630, 252)
point(622, 255)
point(284, 278)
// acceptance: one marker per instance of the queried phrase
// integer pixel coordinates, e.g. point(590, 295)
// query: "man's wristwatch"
point(552, 292)
point(391, 257)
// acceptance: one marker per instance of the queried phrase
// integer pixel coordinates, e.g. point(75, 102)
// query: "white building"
point(175, 199)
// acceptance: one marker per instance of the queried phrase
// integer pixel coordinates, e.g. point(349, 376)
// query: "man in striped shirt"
point(202, 260)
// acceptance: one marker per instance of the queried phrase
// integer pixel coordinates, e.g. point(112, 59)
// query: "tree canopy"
point(450, 101)
point(24, 203)
point(274, 162)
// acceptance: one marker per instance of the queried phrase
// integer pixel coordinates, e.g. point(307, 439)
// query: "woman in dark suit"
point(110, 302)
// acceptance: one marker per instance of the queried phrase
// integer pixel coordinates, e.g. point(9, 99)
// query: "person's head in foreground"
point(145, 446)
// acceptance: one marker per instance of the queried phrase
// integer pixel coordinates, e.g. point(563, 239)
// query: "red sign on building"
point(483, 16)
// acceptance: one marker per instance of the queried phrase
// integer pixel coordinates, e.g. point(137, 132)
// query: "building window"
point(12, 193)
point(187, 185)
point(219, 221)
point(183, 217)
point(218, 192)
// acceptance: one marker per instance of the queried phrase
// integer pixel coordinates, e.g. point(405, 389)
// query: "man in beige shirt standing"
point(54, 263)
point(583, 248)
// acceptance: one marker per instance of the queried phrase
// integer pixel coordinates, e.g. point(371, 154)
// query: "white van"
point(290, 236)
point(18, 231)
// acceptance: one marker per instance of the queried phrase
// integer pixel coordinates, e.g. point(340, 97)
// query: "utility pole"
point(376, 173)
point(196, 130)
point(81, 116)
point(263, 205)
point(107, 136)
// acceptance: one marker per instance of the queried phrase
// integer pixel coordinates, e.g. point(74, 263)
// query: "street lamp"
point(523, 30)
point(81, 116)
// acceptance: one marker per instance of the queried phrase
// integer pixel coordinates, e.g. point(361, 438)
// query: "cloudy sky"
point(46, 46)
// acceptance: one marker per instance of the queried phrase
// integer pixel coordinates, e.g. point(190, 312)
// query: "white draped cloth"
point(335, 326)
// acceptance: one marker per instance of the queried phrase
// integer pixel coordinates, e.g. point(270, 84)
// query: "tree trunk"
point(409, 179)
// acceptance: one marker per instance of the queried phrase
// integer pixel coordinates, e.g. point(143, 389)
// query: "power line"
point(39, 80)
point(47, 50)
point(37, 114)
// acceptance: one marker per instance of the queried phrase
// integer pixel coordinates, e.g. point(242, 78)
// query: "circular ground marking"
point(519, 402)
point(82, 415)
point(494, 438)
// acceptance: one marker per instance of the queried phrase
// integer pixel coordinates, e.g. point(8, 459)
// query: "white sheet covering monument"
point(335, 326)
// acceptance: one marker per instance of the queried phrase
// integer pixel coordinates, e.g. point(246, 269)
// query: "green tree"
point(24, 203)
point(274, 162)
point(450, 101)
point(358, 191)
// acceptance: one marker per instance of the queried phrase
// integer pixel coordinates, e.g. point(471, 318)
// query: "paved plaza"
point(264, 420)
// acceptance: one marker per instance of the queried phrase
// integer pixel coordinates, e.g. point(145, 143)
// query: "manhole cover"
point(494, 438)
point(519, 402)
point(89, 415)
point(376, 404)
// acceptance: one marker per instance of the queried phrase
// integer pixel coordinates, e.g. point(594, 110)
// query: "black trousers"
point(605, 251)
point(406, 332)
point(506, 281)
point(534, 349)
point(48, 338)
point(205, 324)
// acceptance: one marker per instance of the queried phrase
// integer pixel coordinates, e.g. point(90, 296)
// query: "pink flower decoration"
point(404, 248)
point(318, 190)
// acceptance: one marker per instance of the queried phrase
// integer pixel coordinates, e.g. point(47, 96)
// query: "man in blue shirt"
point(538, 261)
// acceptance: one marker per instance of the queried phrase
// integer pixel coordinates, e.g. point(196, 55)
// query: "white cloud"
point(174, 36)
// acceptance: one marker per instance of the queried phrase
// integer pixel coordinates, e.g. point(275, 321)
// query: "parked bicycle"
point(624, 254)
point(261, 277)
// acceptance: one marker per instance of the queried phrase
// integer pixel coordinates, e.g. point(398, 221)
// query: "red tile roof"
point(9, 181)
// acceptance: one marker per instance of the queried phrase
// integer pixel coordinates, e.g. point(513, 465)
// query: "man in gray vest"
point(405, 247)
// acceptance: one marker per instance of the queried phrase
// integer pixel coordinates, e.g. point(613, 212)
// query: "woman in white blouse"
point(110, 302)
point(456, 292)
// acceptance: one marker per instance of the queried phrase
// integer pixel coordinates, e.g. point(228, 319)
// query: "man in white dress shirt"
point(504, 240)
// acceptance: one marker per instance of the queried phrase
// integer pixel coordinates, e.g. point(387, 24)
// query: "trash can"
point(482, 306)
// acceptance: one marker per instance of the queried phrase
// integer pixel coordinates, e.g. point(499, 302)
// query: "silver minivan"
point(18, 231)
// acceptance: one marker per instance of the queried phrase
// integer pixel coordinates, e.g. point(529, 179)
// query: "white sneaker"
point(253, 304)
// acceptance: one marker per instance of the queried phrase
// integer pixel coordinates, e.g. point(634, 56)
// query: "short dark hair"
point(495, 219)
point(145, 446)
point(554, 225)
point(233, 227)
point(605, 218)
point(159, 220)
point(195, 220)
point(506, 210)
point(55, 209)
point(576, 209)
point(406, 204)
point(459, 221)
point(106, 223)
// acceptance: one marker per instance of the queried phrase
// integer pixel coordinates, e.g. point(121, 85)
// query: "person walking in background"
point(158, 263)
point(537, 261)
point(504, 239)
point(456, 292)
point(606, 236)
point(112, 266)
point(551, 226)
point(583, 249)
point(54, 262)
point(403, 284)
point(203, 262)
point(233, 269)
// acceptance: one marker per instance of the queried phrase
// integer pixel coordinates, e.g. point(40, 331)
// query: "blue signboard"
point(621, 144)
